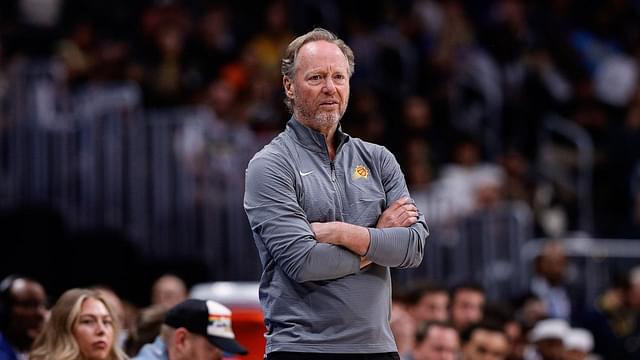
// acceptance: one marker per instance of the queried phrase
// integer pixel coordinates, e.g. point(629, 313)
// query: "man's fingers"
point(409, 207)
point(409, 218)
point(400, 202)
point(408, 215)
point(402, 212)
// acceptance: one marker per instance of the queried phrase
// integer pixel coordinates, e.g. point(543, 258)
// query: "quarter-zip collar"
point(311, 139)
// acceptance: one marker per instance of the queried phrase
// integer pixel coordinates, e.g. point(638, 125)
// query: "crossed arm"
point(402, 213)
point(325, 251)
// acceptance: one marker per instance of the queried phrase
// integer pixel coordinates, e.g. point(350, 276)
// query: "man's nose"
point(329, 87)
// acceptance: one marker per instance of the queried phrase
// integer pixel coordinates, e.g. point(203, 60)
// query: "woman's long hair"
point(56, 342)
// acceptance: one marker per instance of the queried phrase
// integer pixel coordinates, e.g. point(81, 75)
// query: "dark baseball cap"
point(209, 319)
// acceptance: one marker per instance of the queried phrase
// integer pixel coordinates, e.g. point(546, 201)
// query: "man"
point(23, 311)
point(330, 215)
point(428, 301)
point(614, 319)
point(436, 340)
point(168, 290)
point(547, 340)
point(484, 341)
point(548, 283)
point(578, 344)
point(467, 305)
point(403, 327)
point(194, 330)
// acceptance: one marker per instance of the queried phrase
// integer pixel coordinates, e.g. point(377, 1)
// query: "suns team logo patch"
point(360, 172)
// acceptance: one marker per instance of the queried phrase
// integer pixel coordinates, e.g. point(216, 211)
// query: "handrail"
point(584, 183)
point(588, 247)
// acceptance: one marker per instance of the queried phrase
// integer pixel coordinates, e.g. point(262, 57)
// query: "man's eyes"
point(340, 77)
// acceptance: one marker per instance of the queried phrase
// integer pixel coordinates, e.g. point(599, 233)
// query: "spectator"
point(578, 344)
point(118, 310)
point(615, 320)
point(194, 330)
point(168, 291)
point(548, 282)
point(468, 184)
point(77, 52)
point(403, 326)
point(270, 43)
point(82, 326)
point(428, 301)
point(436, 340)
point(546, 338)
point(467, 303)
point(23, 311)
point(215, 42)
point(146, 329)
point(530, 309)
point(165, 66)
point(515, 332)
point(484, 341)
point(503, 315)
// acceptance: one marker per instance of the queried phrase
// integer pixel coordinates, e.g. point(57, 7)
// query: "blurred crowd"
point(548, 321)
point(460, 91)
point(429, 320)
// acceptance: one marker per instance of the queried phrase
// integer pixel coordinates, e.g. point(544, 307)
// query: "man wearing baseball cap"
point(194, 330)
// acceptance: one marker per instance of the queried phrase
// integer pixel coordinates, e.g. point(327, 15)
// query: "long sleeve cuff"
point(388, 247)
point(327, 262)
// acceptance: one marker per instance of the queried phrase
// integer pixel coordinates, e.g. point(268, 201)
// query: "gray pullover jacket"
point(314, 295)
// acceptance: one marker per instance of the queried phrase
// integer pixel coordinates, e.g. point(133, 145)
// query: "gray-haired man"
point(330, 215)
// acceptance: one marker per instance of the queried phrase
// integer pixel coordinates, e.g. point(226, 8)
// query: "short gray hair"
point(288, 64)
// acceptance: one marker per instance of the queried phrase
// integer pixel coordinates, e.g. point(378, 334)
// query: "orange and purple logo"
point(360, 172)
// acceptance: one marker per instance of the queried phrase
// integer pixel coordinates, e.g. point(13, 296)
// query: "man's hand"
point(402, 213)
point(326, 232)
point(353, 237)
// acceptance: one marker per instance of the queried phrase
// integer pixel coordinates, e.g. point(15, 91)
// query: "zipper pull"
point(333, 171)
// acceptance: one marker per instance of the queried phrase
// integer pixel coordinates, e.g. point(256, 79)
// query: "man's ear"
point(288, 86)
point(180, 340)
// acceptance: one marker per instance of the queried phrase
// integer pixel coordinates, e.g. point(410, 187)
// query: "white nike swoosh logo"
point(305, 173)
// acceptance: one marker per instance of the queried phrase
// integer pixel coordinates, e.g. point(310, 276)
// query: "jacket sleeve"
point(399, 246)
point(280, 224)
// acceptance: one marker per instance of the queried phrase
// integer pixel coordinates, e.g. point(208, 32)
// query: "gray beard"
point(320, 122)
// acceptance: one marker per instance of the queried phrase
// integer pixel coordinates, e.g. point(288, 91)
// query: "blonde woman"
point(82, 327)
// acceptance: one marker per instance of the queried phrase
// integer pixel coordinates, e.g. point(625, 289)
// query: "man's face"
point(29, 311)
point(197, 347)
point(320, 87)
point(550, 349)
point(486, 345)
point(168, 291)
point(441, 343)
point(466, 307)
point(433, 306)
point(553, 265)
